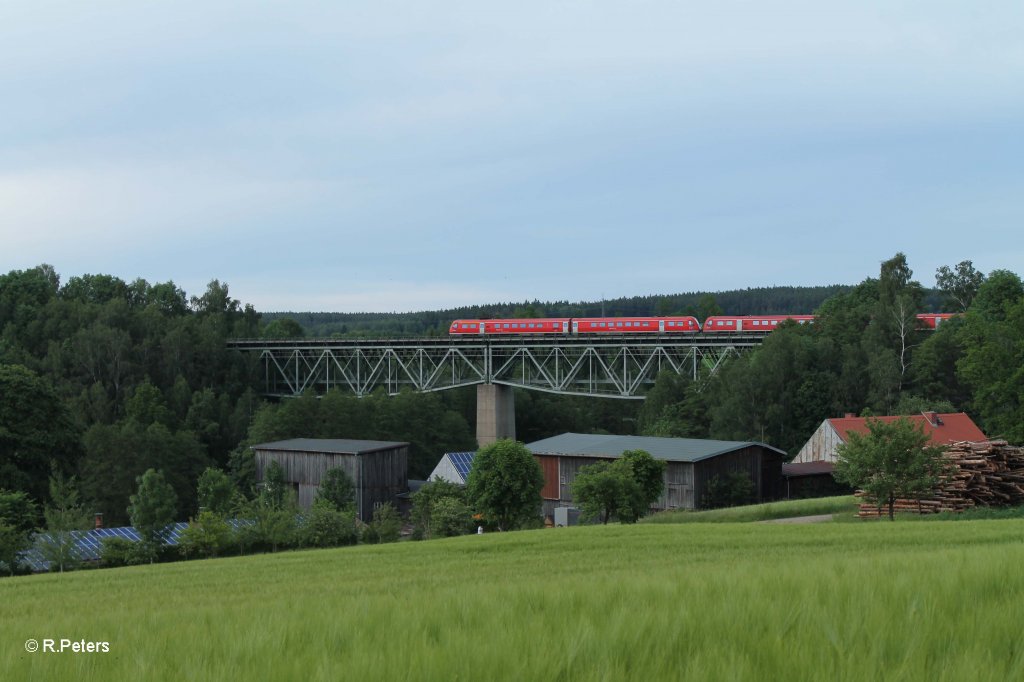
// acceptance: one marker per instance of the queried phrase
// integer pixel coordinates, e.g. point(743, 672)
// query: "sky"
point(399, 156)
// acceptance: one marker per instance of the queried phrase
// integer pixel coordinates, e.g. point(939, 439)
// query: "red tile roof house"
point(816, 457)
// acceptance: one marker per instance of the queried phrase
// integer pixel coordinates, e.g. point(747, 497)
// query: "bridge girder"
point(611, 368)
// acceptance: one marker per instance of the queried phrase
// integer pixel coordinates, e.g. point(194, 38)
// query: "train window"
point(531, 325)
point(775, 323)
point(757, 323)
point(618, 324)
point(729, 322)
point(506, 325)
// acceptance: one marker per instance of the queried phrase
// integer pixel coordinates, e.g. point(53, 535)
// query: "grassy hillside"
point(844, 504)
point(927, 601)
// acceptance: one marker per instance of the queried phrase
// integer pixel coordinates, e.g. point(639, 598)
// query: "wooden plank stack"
point(986, 473)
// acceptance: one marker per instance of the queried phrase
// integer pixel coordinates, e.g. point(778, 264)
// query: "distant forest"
point(763, 300)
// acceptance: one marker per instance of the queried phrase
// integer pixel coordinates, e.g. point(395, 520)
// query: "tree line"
point(865, 355)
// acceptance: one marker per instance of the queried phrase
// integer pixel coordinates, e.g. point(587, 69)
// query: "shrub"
point(386, 525)
point(450, 517)
point(207, 536)
point(325, 526)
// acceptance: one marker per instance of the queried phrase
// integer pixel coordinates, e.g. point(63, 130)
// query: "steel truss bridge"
point(607, 367)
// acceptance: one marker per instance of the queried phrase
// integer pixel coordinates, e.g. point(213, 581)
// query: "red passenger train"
point(716, 324)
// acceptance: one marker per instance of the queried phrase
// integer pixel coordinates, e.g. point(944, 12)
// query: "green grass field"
point(871, 601)
point(846, 504)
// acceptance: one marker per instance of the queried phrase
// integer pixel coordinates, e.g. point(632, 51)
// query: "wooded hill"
point(765, 300)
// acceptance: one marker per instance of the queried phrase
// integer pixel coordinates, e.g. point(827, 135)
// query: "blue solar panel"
point(89, 543)
point(463, 462)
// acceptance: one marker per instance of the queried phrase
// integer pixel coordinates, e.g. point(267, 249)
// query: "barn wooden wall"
point(378, 476)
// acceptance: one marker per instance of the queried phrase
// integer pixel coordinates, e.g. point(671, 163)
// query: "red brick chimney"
point(99, 519)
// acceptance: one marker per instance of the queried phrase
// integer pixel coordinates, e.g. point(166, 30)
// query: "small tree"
point(207, 536)
point(64, 516)
point(449, 518)
point(505, 483)
point(893, 460)
point(386, 525)
point(216, 492)
point(326, 526)
point(152, 510)
point(649, 474)
point(337, 489)
point(274, 485)
point(423, 501)
point(602, 489)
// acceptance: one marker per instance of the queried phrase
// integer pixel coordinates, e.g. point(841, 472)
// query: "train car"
point(635, 325)
point(933, 320)
point(536, 326)
point(750, 323)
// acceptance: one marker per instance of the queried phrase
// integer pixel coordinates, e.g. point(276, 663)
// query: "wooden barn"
point(941, 429)
point(378, 469)
point(690, 464)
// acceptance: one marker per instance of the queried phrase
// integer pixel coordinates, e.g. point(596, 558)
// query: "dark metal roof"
point(807, 468)
point(669, 449)
point(331, 445)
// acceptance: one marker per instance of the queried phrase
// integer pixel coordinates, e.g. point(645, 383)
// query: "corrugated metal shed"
point(668, 449)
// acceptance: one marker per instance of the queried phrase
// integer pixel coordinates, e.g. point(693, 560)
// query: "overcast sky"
point(344, 156)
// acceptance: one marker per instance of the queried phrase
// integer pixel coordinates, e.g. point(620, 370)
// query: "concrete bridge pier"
point(495, 413)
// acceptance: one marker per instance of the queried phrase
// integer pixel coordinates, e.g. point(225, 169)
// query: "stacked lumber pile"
point(987, 473)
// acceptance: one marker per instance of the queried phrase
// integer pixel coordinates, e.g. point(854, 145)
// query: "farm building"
point(691, 464)
point(942, 429)
point(811, 469)
point(453, 467)
point(378, 469)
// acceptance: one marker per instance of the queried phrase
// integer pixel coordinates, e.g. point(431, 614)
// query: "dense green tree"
point(283, 328)
point(959, 286)
point(505, 483)
point(153, 509)
point(993, 361)
point(12, 543)
point(649, 474)
point(424, 500)
point(337, 490)
point(449, 517)
point(605, 491)
point(325, 525)
point(18, 510)
point(207, 536)
point(216, 492)
point(35, 430)
point(893, 460)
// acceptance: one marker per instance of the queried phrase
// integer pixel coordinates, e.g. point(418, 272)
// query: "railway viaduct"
point(620, 366)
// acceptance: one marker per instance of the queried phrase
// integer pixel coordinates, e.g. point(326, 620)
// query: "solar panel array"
point(463, 462)
point(89, 543)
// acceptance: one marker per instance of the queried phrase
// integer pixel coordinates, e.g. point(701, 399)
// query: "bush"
point(207, 536)
point(450, 517)
point(123, 552)
point(325, 526)
point(386, 525)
